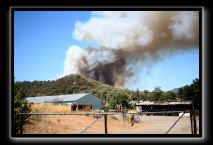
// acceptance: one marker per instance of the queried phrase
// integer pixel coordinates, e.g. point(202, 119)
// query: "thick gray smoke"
point(125, 38)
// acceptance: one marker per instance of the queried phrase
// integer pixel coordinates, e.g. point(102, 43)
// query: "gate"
point(164, 122)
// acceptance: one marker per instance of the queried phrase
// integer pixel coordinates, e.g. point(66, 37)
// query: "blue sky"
point(173, 71)
point(41, 40)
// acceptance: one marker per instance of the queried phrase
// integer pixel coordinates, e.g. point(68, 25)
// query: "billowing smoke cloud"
point(125, 38)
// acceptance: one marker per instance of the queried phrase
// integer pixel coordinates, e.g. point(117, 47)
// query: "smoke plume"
point(127, 37)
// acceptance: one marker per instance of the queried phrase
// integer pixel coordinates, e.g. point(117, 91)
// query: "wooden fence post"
point(105, 123)
point(123, 116)
point(21, 124)
point(194, 123)
point(191, 121)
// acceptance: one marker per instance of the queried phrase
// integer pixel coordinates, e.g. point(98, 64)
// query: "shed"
point(76, 101)
point(147, 106)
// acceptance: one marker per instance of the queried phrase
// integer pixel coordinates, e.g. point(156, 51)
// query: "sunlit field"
point(50, 108)
point(90, 124)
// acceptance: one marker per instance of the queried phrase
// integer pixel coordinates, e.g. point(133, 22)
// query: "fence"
point(164, 122)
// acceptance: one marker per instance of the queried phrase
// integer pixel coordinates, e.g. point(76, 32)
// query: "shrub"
point(20, 106)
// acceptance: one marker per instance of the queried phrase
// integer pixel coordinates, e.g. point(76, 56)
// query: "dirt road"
point(116, 124)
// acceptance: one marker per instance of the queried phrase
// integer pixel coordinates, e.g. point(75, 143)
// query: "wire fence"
point(149, 122)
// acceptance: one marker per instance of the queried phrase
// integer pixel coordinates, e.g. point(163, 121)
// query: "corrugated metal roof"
point(58, 98)
point(72, 97)
point(145, 103)
point(182, 103)
point(163, 103)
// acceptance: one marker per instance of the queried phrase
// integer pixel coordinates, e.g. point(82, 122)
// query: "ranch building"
point(83, 101)
point(147, 106)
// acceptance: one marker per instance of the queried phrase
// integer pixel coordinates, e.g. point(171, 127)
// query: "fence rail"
point(108, 113)
point(162, 122)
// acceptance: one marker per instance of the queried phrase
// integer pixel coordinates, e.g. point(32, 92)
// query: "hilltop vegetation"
point(69, 85)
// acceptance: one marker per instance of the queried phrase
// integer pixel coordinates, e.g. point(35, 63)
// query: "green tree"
point(145, 92)
point(138, 95)
point(119, 98)
point(191, 93)
point(20, 106)
point(157, 93)
point(133, 96)
point(168, 96)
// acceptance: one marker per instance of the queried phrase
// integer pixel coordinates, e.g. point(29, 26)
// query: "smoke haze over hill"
point(125, 38)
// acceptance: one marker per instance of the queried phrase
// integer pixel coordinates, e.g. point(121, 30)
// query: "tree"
point(191, 92)
point(138, 96)
point(196, 93)
point(168, 96)
point(133, 96)
point(20, 106)
point(119, 98)
point(157, 93)
point(145, 92)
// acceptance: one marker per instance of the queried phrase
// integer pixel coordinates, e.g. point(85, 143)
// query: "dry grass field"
point(49, 107)
point(116, 124)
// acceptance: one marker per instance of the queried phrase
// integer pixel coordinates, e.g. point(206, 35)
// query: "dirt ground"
point(116, 124)
point(88, 124)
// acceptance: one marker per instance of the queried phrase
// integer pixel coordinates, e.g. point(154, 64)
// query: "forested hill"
point(67, 85)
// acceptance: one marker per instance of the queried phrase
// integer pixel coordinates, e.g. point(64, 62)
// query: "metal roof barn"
point(164, 103)
point(159, 106)
point(72, 99)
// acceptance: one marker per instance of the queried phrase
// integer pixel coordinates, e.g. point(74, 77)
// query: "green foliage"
point(145, 94)
point(137, 96)
point(157, 93)
point(168, 96)
point(65, 85)
point(20, 106)
point(119, 98)
point(191, 92)
point(69, 85)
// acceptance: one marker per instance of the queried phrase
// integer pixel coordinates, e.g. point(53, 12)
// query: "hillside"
point(79, 84)
point(68, 85)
